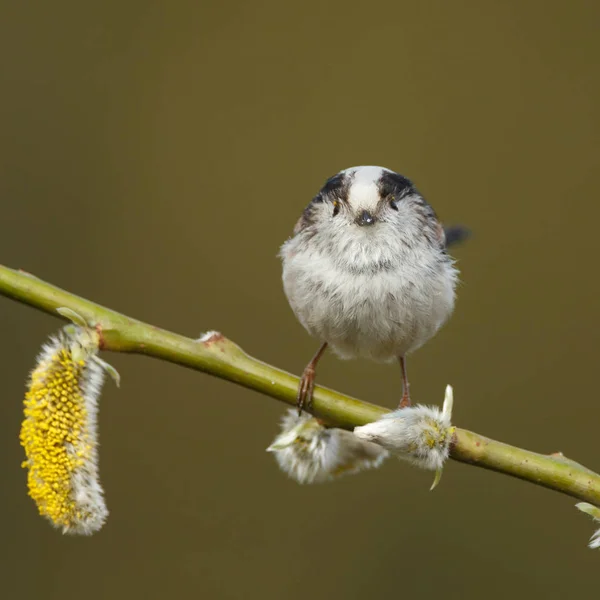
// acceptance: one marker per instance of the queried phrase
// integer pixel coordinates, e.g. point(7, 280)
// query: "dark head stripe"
point(394, 184)
point(335, 187)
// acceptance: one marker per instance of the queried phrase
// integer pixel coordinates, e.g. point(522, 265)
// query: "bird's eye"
point(336, 207)
point(393, 203)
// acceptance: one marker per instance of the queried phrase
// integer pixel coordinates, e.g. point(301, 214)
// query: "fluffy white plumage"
point(378, 291)
point(420, 434)
point(311, 453)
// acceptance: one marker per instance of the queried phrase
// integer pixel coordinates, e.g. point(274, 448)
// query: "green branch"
point(216, 355)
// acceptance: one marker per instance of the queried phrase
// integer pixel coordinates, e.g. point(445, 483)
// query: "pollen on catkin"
point(59, 432)
point(420, 434)
point(309, 452)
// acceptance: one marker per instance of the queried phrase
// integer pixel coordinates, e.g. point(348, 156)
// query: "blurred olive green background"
point(155, 155)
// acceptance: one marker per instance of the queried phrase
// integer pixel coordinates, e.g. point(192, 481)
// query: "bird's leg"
point(307, 381)
point(405, 385)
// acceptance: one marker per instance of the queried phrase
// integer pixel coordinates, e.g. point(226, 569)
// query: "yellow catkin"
point(59, 438)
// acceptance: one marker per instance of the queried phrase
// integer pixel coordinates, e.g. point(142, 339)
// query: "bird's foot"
point(305, 389)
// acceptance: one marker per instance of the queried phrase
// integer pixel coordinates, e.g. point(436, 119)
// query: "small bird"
point(366, 271)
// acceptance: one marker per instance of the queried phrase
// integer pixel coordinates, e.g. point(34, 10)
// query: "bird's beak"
point(365, 218)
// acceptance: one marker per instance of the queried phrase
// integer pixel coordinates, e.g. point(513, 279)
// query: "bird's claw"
point(305, 390)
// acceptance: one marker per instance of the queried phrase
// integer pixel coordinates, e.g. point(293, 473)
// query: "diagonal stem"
point(216, 355)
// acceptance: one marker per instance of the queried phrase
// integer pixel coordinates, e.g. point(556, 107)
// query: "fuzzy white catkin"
point(311, 453)
point(594, 512)
point(420, 435)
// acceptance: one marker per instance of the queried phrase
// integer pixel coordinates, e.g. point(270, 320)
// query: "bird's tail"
point(456, 234)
